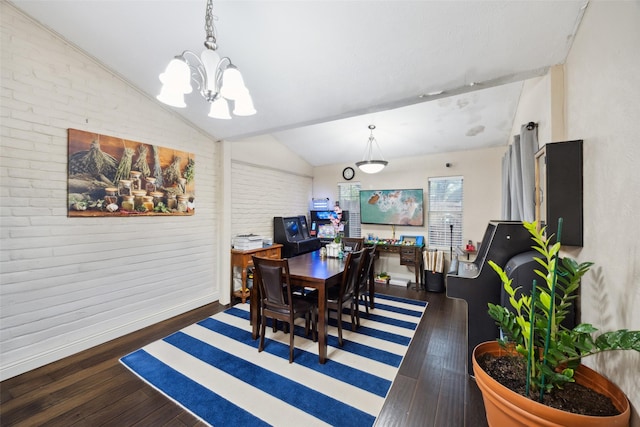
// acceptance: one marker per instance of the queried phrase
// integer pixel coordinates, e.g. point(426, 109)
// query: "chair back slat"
point(352, 244)
point(368, 265)
point(273, 284)
point(351, 274)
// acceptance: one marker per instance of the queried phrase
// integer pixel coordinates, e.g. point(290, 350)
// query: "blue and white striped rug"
point(213, 369)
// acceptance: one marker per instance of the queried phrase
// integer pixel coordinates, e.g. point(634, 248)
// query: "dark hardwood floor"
point(92, 388)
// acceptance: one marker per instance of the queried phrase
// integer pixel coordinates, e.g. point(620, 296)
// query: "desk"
point(243, 259)
point(312, 271)
point(409, 255)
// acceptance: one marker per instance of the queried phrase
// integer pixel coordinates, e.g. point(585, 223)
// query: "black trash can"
point(434, 282)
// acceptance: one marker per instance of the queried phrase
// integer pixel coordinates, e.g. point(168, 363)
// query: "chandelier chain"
point(210, 41)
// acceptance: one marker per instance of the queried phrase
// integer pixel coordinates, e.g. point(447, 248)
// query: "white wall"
point(70, 283)
point(601, 93)
point(268, 180)
point(534, 106)
point(268, 152)
point(259, 193)
point(481, 170)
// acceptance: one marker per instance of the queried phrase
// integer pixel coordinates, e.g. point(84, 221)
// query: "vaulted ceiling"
point(432, 76)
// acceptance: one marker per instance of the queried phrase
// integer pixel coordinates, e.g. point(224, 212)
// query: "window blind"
point(349, 198)
point(445, 211)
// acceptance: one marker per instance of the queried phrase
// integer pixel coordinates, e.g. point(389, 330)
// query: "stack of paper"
point(245, 242)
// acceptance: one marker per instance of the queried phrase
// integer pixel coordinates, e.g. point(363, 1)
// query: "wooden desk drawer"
point(407, 256)
point(388, 249)
point(271, 253)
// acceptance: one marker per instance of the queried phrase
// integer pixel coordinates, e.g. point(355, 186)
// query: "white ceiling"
point(321, 71)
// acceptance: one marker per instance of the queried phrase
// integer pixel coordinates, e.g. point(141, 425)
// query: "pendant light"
point(218, 80)
point(368, 163)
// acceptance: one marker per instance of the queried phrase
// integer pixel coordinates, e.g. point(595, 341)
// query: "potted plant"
point(383, 278)
point(522, 374)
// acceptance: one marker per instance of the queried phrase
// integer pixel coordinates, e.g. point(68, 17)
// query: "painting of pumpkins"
point(111, 176)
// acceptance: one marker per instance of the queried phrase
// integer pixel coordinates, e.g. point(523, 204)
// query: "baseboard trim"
point(36, 361)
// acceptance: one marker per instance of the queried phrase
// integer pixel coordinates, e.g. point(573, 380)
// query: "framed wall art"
point(392, 207)
point(111, 176)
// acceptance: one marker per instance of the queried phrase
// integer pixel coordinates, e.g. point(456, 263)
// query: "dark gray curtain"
point(518, 176)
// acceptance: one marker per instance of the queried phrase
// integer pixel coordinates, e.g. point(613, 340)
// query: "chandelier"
point(368, 164)
point(218, 80)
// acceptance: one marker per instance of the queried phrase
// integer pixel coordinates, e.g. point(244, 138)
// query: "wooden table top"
point(311, 267)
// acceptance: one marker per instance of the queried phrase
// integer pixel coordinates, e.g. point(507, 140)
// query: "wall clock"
point(348, 173)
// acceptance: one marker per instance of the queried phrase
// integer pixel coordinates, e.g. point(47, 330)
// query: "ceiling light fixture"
point(368, 165)
point(218, 80)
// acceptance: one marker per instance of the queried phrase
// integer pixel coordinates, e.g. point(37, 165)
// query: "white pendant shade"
point(244, 105)
point(173, 98)
point(371, 166)
point(232, 84)
point(219, 109)
point(177, 77)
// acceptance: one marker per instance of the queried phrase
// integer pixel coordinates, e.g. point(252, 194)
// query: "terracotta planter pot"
point(507, 408)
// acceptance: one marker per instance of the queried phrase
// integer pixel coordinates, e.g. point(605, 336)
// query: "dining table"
point(309, 270)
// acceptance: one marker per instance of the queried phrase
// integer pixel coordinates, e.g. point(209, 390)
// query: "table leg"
point(231, 284)
point(372, 289)
point(243, 286)
point(323, 320)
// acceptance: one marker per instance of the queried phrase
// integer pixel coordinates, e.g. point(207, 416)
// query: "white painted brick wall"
point(260, 193)
point(70, 283)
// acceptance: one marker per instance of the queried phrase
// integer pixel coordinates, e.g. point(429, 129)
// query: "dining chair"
point(363, 285)
point(278, 302)
point(351, 244)
point(344, 295)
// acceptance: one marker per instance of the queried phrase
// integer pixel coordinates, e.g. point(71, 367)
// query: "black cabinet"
point(559, 190)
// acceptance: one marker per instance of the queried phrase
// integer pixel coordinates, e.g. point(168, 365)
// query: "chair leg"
point(263, 328)
point(355, 316)
point(339, 312)
point(367, 302)
point(291, 334)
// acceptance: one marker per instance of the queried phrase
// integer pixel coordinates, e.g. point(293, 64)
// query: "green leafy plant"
point(534, 326)
point(161, 207)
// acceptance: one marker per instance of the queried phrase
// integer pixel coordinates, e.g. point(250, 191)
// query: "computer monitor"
point(326, 231)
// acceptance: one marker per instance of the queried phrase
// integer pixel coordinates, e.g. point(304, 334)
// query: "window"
point(349, 198)
point(445, 211)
